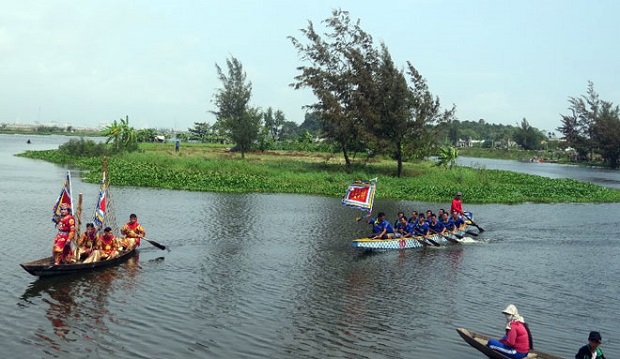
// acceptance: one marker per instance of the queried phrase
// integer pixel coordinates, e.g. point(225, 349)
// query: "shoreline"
point(209, 168)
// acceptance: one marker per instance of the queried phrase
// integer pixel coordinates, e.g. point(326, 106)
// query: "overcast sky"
point(88, 63)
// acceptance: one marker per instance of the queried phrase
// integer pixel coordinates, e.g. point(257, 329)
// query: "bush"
point(83, 148)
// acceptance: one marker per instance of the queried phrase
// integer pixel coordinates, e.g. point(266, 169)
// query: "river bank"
point(205, 168)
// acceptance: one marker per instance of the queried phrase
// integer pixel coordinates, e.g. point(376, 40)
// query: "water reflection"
point(77, 305)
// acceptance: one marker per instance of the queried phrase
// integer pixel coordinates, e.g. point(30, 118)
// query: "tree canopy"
point(593, 126)
point(234, 116)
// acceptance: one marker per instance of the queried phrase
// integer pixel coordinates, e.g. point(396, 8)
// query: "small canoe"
point(479, 341)
point(45, 268)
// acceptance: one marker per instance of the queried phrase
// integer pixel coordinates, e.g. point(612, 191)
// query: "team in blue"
point(417, 225)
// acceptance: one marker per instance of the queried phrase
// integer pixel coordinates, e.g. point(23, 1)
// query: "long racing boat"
point(434, 240)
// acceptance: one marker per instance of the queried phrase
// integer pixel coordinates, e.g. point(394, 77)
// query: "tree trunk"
point(345, 153)
point(399, 160)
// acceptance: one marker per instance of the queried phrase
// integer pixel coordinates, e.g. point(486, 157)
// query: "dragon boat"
point(360, 195)
point(412, 242)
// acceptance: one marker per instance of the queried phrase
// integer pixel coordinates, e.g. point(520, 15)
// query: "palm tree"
point(122, 136)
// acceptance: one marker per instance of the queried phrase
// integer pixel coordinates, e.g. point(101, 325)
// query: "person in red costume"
point(66, 231)
point(132, 231)
point(457, 204)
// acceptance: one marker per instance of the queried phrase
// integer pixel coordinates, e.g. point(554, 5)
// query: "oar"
point(472, 233)
point(473, 223)
point(451, 240)
point(160, 246)
point(419, 239)
point(432, 241)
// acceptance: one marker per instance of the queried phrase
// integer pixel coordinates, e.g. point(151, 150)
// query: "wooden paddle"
point(419, 239)
point(473, 223)
point(160, 246)
point(433, 242)
point(451, 240)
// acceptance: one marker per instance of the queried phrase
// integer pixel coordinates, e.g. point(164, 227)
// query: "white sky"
point(88, 63)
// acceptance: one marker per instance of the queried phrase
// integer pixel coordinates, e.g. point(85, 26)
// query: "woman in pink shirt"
point(516, 343)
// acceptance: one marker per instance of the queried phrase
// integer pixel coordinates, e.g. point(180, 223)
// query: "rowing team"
point(418, 225)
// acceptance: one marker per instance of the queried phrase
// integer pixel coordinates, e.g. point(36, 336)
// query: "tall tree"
point(386, 92)
point(606, 133)
point(329, 76)
point(426, 113)
point(577, 127)
point(312, 123)
point(234, 115)
point(528, 137)
point(200, 131)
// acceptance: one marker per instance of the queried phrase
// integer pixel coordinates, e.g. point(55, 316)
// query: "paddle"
point(419, 239)
point(472, 233)
point(451, 240)
point(473, 223)
point(160, 246)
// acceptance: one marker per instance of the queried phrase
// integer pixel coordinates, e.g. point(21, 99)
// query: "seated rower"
point(133, 232)
point(87, 242)
point(381, 228)
point(435, 226)
point(421, 227)
point(459, 222)
point(106, 248)
point(405, 229)
point(517, 342)
point(448, 223)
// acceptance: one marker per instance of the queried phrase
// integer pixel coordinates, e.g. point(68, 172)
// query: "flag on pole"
point(63, 199)
point(101, 207)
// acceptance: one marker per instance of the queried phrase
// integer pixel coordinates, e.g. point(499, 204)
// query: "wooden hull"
point(44, 267)
point(479, 341)
point(405, 243)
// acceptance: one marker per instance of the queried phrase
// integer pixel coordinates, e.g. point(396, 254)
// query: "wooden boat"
point(103, 216)
point(407, 243)
point(45, 267)
point(479, 341)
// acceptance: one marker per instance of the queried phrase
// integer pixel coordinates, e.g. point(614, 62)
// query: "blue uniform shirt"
point(421, 229)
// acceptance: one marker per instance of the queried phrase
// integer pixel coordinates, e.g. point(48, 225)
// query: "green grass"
point(209, 168)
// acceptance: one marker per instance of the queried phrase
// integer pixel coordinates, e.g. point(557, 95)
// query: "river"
point(275, 276)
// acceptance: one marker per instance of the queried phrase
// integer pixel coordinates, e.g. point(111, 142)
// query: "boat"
point(479, 341)
point(360, 195)
point(103, 216)
point(45, 267)
point(409, 243)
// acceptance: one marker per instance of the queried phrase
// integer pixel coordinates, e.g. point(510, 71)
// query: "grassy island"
point(199, 167)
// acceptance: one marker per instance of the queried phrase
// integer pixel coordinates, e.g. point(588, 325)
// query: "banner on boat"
point(100, 208)
point(63, 199)
point(361, 195)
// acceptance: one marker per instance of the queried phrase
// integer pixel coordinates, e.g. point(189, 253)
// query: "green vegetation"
point(593, 127)
point(365, 102)
point(211, 168)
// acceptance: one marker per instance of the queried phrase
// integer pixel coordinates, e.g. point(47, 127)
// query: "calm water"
point(274, 276)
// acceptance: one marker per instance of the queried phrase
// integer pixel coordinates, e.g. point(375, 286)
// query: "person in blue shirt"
point(414, 217)
point(435, 226)
point(397, 221)
point(405, 228)
point(447, 222)
point(381, 228)
point(459, 222)
point(421, 227)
